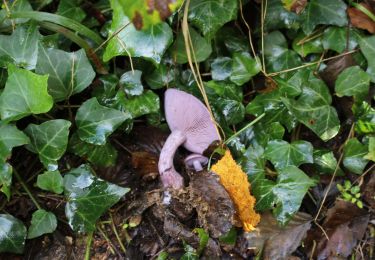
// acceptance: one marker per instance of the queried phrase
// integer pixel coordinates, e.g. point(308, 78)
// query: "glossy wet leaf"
point(329, 12)
point(335, 38)
point(69, 72)
point(201, 46)
point(6, 171)
point(371, 150)
point(325, 162)
point(10, 137)
point(232, 110)
point(244, 67)
point(277, 17)
point(313, 109)
point(25, 93)
point(254, 163)
point(16, 6)
point(107, 89)
point(71, 9)
point(209, 15)
point(12, 234)
point(221, 68)
point(42, 222)
point(96, 122)
point(147, 103)
point(100, 155)
point(88, 198)
point(162, 76)
point(21, 47)
point(353, 81)
point(50, 181)
point(367, 48)
point(145, 14)
point(149, 44)
point(131, 82)
point(282, 154)
point(354, 153)
point(49, 140)
point(365, 118)
point(304, 46)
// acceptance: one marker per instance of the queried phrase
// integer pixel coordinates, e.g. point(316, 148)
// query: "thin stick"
point(112, 36)
point(26, 189)
point(117, 235)
point(88, 245)
point(263, 16)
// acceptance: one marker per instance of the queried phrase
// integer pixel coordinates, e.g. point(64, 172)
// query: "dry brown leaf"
point(360, 19)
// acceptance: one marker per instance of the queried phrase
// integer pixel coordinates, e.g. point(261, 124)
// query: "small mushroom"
point(195, 161)
point(191, 126)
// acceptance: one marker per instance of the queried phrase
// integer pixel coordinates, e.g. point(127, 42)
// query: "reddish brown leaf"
point(360, 19)
point(369, 191)
point(344, 225)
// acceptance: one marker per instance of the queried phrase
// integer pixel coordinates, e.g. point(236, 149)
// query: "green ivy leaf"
point(365, 118)
point(147, 103)
point(71, 9)
point(6, 171)
point(100, 155)
point(69, 72)
point(88, 198)
point(292, 185)
point(262, 190)
point(371, 150)
point(10, 137)
point(354, 156)
point(353, 81)
point(232, 110)
point(325, 162)
point(209, 16)
point(147, 13)
point(42, 222)
point(162, 76)
point(244, 67)
point(25, 93)
point(49, 140)
point(282, 154)
point(367, 48)
point(312, 108)
point(12, 234)
point(335, 38)
point(332, 12)
point(149, 44)
point(96, 122)
point(201, 46)
point(278, 18)
point(221, 68)
point(131, 83)
point(50, 181)
point(308, 47)
point(20, 48)
point(253, 163)
point(106, 89)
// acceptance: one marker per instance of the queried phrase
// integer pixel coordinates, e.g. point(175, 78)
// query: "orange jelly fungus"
point(237, 185)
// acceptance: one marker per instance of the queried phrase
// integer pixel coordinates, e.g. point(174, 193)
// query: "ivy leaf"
point(131, 82)
point(17, 6)
point(6, 171)
point(69, 72)
point(262, 190)
point(365, 118)
point(253, 163)
point(100, 155)
point(282, 154)
point(147, 103)
point(335, 38)
point(201, 46)
point(10, 137)
point(308, 47)
point(42, 222)
point(325, 162)
point(145, 14)
point(49, 140)
point(353, 81)
point(232, 110)
point(20, 48)
point(25, 93)
point(71, 9)
point(209, 16)
point(313, 109)
point(12, 234)
point(332, 12)
point(244, 67)
point(96, 122)
point(278, 18)
point(160, 77)
point(51, 181)
point(221, 68)
point(371, 150)
point(354, 156)
point(367, 48)
point(149, 44)
point(88, 198)
point(106, 89)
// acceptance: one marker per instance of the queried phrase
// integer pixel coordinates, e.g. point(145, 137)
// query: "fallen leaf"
point(369, 191)
point(361, 20)
point(344, 225)
point(296, 6)
point(278, 242)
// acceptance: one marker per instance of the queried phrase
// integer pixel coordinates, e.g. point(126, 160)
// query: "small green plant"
point(350, 193)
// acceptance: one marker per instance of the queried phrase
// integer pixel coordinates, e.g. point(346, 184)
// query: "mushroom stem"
point(197, 166)
point(169, 176)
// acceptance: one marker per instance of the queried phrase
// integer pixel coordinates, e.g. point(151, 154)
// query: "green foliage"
point(50, 181)
point(12, 234)
point(353, 81)
point(351, 193)
point(354, 152)
point(367, 47)
point(5, 178)
point(10, 137)
point(42, 222)
point(88, 197)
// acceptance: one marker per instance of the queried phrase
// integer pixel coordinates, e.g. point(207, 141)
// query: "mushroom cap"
point(189, 161)
point(188, 114)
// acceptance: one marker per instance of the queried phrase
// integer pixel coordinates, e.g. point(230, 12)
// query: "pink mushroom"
point(192, 127)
